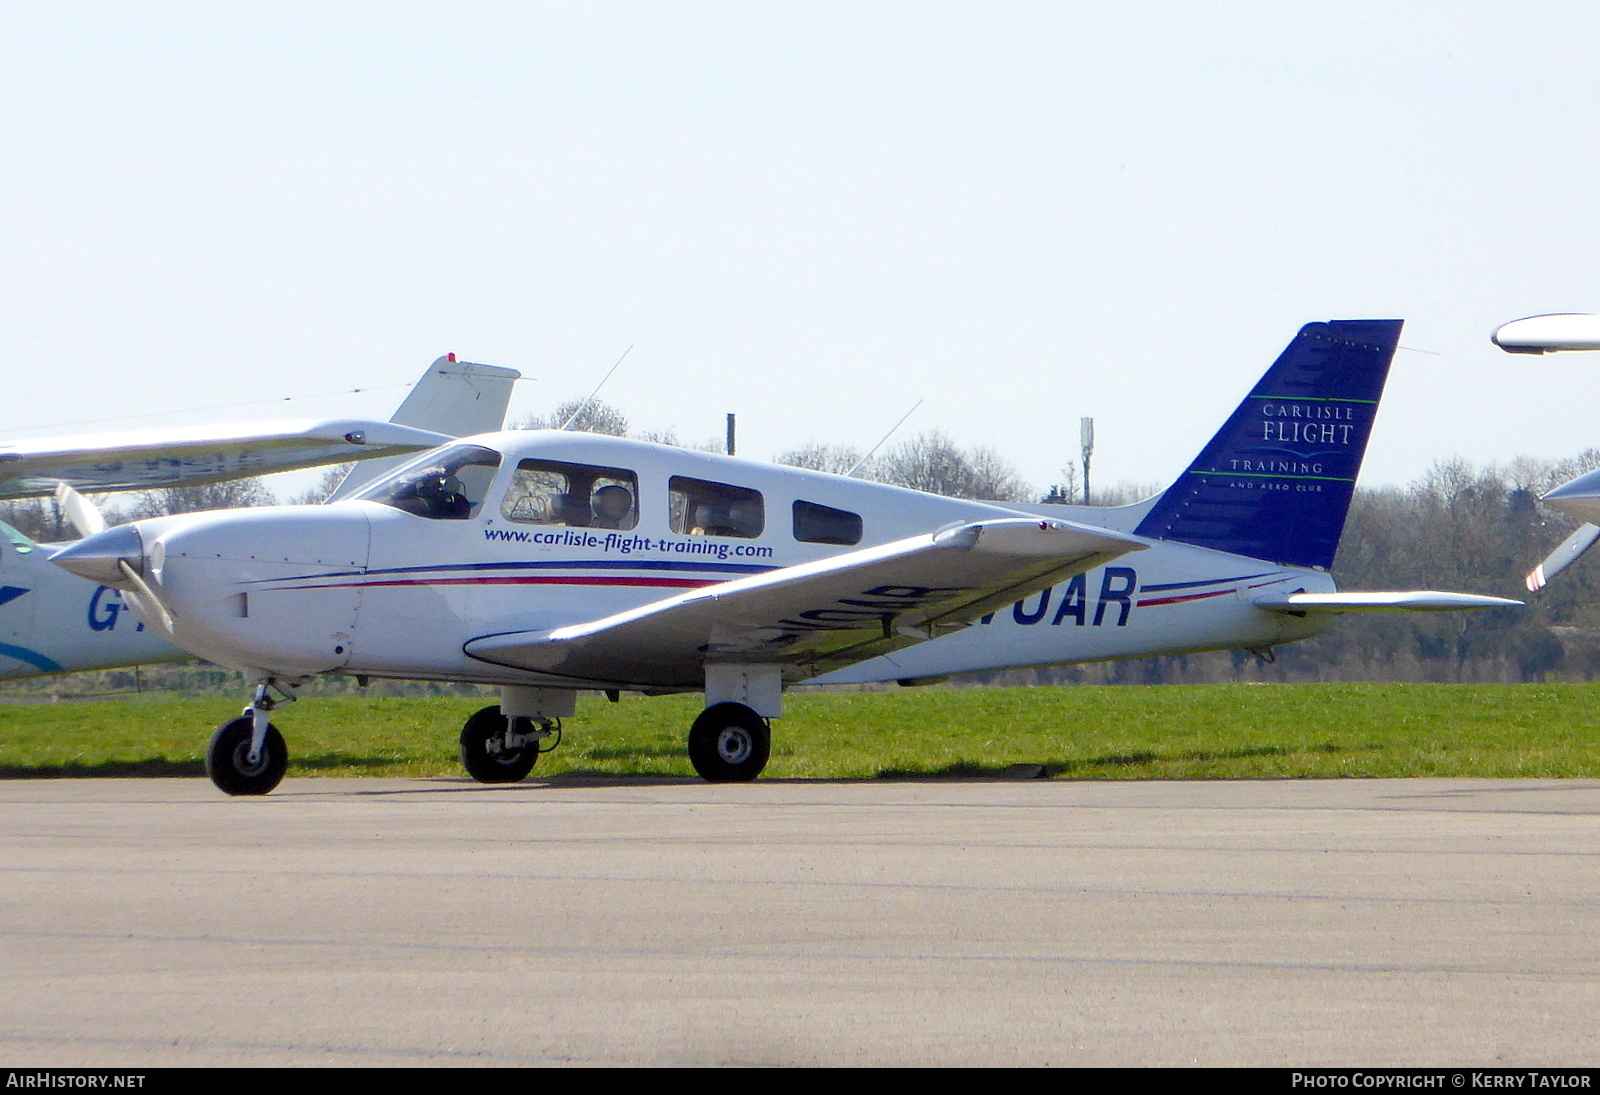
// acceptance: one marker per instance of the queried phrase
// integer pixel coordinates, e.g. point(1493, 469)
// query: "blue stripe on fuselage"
point(1203, 582)
point(30, 657)
point(729, 569)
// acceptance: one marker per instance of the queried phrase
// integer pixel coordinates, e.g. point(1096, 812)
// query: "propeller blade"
point(83, 514)
point(1563, 557)
point(146, 595)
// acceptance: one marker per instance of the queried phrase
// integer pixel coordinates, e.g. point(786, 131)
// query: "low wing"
point(190, 456)
point(1417, 600)
point(818, 616)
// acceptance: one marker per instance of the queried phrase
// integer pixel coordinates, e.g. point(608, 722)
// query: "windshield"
point(445, 485)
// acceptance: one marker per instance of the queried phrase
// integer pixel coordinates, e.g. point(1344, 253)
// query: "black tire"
point(483, 751)
point(729, 743)
point(227, 759)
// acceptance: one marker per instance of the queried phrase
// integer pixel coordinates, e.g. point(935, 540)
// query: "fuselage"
point(531, 530)
point(55, 622)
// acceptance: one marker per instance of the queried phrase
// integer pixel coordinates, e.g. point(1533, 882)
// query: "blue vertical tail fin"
point(1275, 482)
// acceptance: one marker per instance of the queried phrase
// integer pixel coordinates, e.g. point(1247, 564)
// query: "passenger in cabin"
point(711, 519)
point(726, 519)
point(613, 507)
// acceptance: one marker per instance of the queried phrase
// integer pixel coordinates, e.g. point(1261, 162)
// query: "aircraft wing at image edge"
point(1550, 334)
point(192, 456)
point(822, 615)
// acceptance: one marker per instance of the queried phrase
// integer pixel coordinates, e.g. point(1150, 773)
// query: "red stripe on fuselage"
point(1157, 601)
point(657, 583)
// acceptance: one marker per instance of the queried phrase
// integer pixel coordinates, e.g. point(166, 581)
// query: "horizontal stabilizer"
point(818, 616)
point(191, 456)
point(1416, 600)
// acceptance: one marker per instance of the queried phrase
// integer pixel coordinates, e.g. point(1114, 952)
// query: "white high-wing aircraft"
point(55, 622)
point(1559, 333)
point(546, 562)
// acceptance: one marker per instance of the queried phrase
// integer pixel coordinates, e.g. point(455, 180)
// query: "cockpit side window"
point(817, 524)
point(699, 507)
point(553, 492)
point(447, 485)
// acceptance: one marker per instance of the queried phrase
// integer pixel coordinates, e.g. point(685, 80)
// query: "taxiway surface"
point(585, 921)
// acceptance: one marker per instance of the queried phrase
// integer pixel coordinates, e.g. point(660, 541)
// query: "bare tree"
point(331, 478)
point(236, 494)
point(837, 459)
point(658, 437)
point(994, 480)
point(593, 416)
point(38, 519)
point(932, 462)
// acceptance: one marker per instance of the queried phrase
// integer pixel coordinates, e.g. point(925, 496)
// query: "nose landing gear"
point(247, 755)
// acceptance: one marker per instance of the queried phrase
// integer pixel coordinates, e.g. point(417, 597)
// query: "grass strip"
point(1128, 732)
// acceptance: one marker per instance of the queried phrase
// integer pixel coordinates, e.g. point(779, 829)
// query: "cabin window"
point(814, 524)
point(550, 492)
point(702, 508)
point(444, 485)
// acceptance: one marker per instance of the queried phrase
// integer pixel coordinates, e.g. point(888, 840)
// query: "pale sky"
point(809, 214)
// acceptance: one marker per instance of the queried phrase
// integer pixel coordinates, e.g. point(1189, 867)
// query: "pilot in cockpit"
point(436, 494)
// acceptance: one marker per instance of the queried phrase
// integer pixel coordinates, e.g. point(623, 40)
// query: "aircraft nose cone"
point(96, 557)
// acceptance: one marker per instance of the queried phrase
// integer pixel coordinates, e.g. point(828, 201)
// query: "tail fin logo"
point(1275, 482)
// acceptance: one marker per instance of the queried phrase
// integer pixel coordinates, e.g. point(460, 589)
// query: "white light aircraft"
point(1559, 333)
point(546, 563)
point(55, 622)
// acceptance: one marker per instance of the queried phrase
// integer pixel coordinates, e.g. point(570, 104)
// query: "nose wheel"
point(729, 743)
point(233, 768)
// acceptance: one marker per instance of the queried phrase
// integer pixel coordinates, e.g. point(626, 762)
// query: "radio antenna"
point(884, 438)
point(573, 417)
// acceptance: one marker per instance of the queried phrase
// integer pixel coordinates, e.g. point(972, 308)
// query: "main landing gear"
point(497, 749)
point(501, 744)
point(729, 743)
point(731, 740)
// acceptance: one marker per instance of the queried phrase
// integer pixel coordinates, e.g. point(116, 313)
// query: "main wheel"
point(485, 754)
point(729, 743)
point(228, 758)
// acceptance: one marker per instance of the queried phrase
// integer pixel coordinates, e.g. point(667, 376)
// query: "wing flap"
point(818, 616)
point(1417, 600)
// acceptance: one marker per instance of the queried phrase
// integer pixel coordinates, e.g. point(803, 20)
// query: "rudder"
point(1275, 482)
